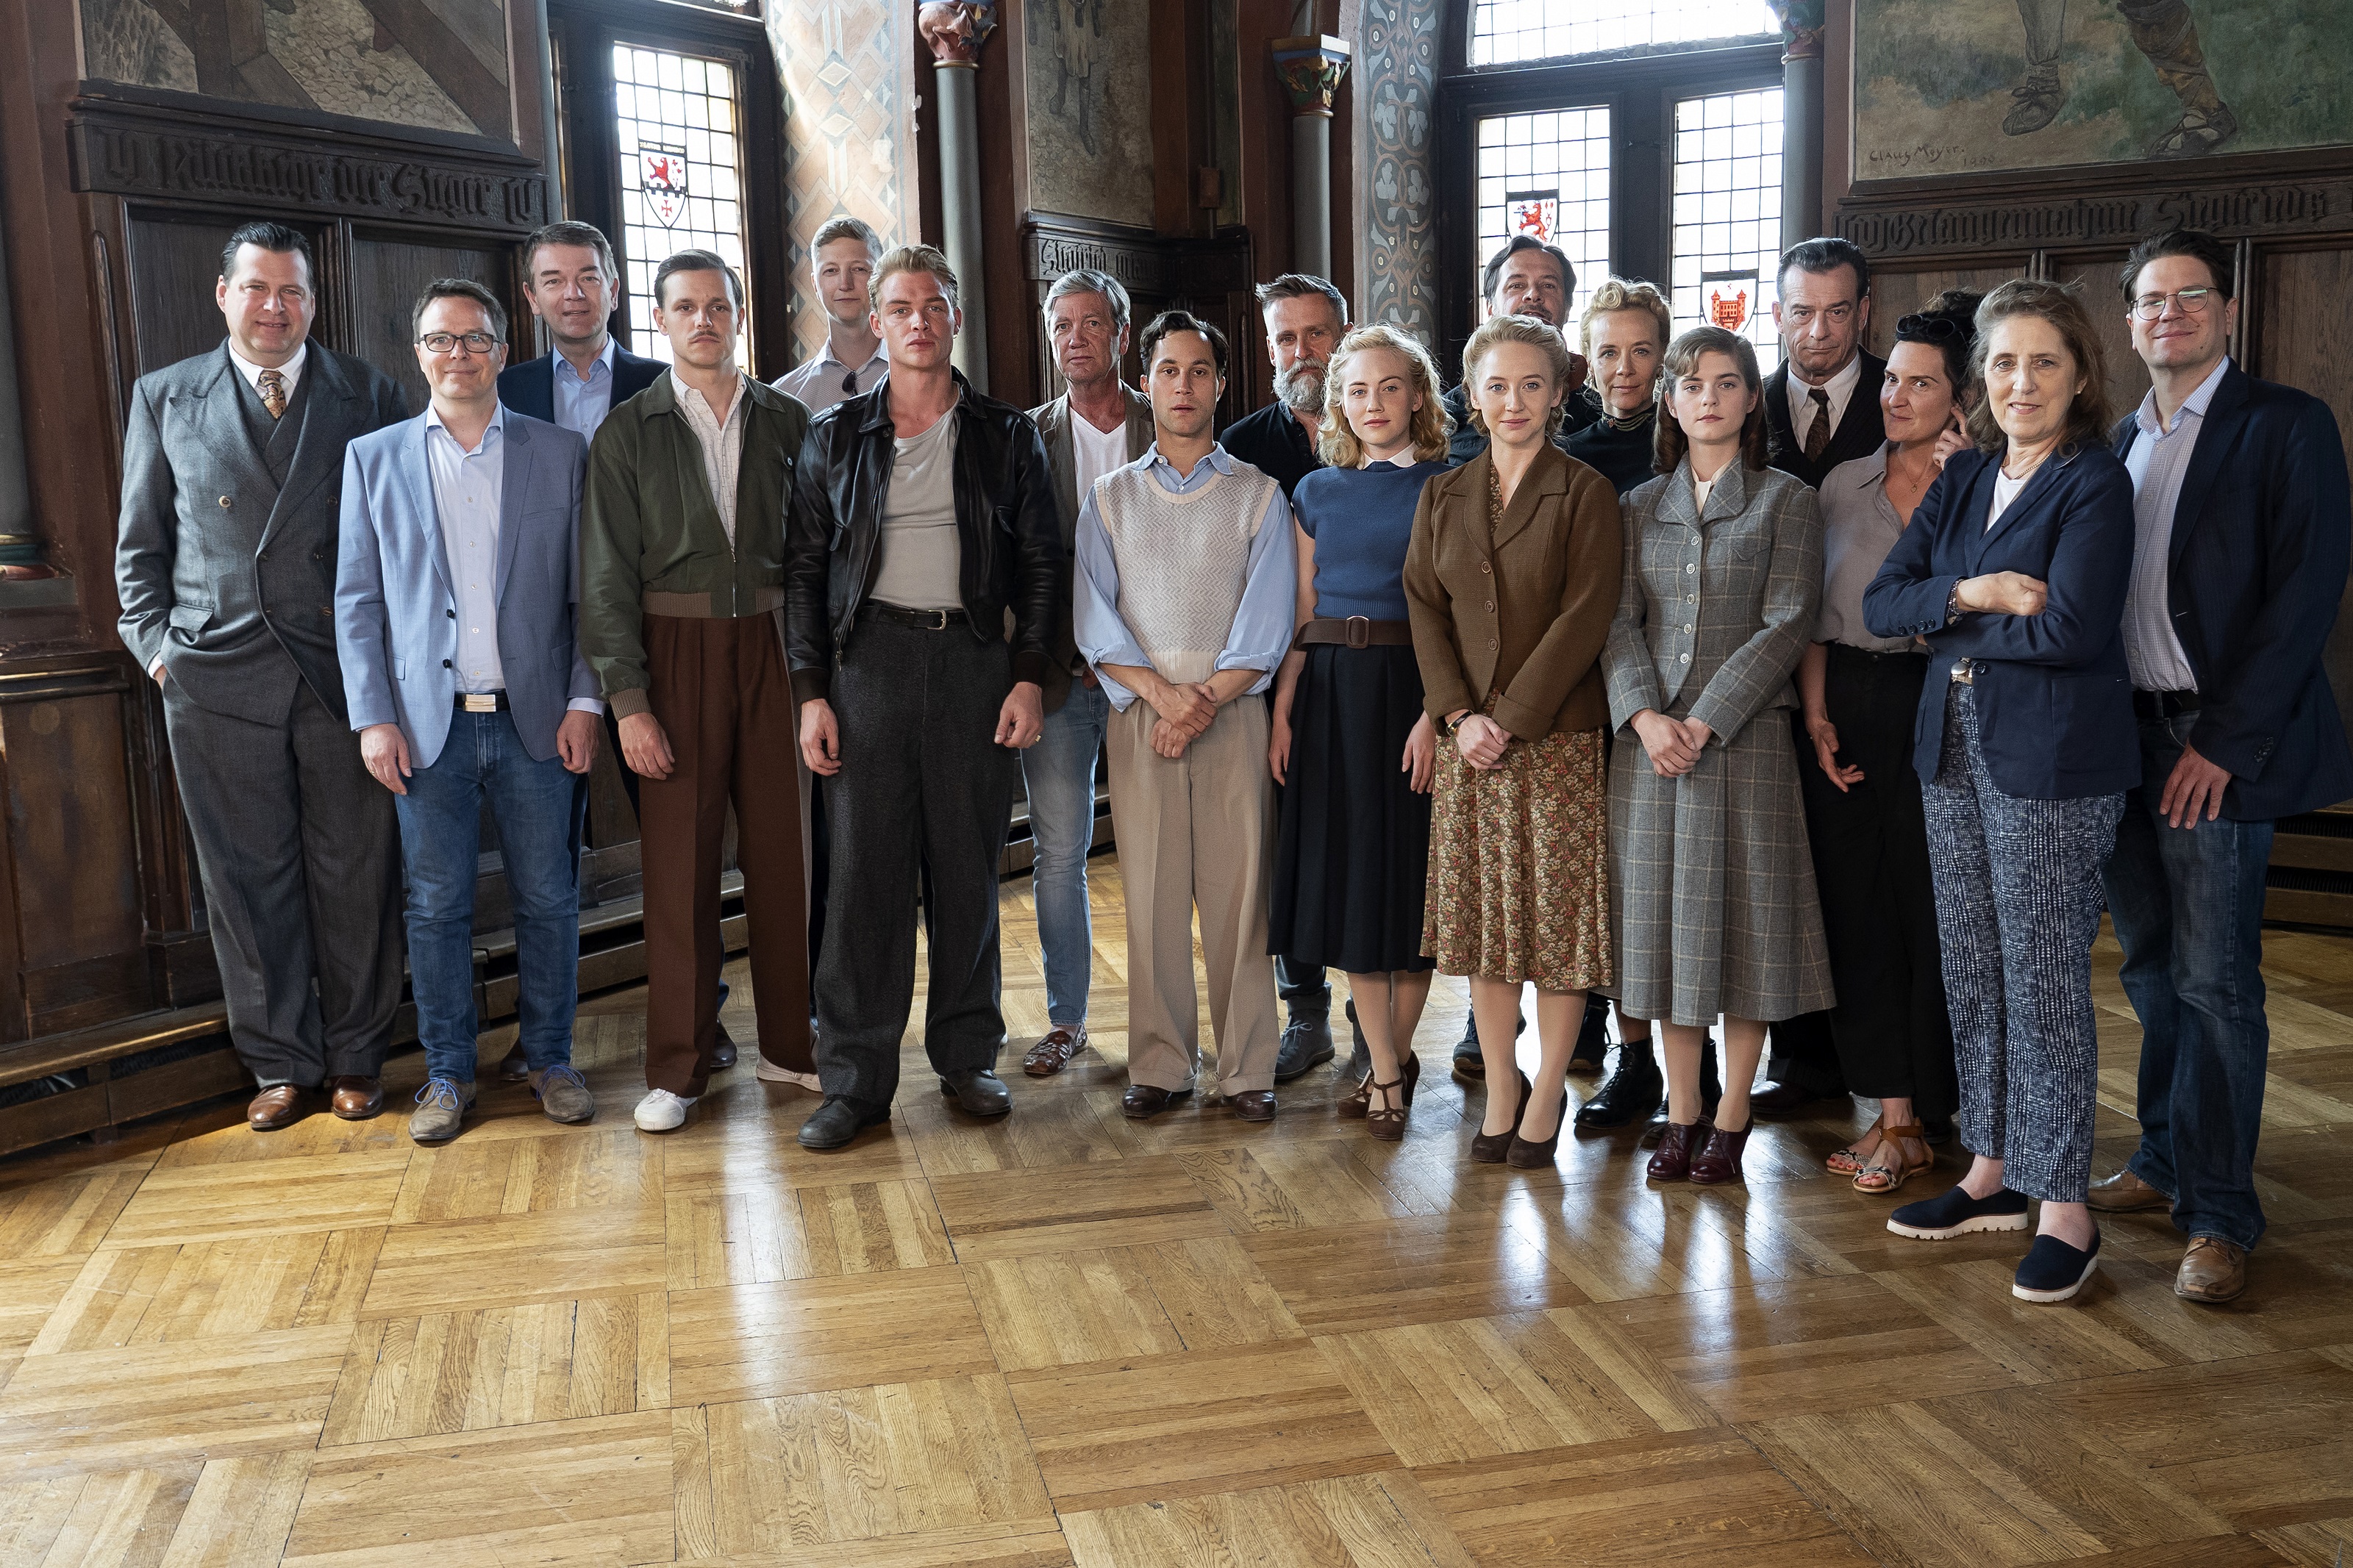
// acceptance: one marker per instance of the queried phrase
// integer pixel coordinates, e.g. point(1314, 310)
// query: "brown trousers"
point(720, 690)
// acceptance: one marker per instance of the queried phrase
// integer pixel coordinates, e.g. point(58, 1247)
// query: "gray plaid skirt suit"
point(1710, 882)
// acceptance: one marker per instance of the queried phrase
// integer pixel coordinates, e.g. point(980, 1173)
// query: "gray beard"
point(1301, 388)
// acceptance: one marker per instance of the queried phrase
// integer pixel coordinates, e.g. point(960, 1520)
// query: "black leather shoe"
point(1936, 1131)
point(723, 1050)
point(514, 1068)
point(1142, 1100)
point(1468, 1063)
point(1360, 1058)
point(980, 1091)
point(1711, 1090)
point(1306, 1043)
point(839, 1121)
point(1592, 1038)
point(1252, 1104)
point(1628, 1095)
point(1777, 1102)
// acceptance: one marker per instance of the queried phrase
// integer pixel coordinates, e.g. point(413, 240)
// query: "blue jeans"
point(1059, 773)
point(539, 808)
point(2188, 904)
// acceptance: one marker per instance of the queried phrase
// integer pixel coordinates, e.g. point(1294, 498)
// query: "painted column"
point(1311, 69)
point(957, 30)
point(1801, 118)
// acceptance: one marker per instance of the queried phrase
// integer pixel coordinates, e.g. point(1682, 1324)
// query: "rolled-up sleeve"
point(1263, 624)
point(1101, 632)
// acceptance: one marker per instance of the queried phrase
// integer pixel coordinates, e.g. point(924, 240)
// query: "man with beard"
point(1306, 319)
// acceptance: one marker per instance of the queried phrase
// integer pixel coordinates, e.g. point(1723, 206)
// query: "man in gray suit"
point(1098, 425)
point(232, 468)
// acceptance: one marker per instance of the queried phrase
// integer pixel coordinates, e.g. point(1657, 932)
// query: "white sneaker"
point(662, 1112)
point(767, 1071)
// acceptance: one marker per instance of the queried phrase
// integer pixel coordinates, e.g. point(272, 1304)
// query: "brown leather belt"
point(1354, 631)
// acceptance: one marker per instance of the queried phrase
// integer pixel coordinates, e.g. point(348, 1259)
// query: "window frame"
point(583, 34)
point(1641, 90)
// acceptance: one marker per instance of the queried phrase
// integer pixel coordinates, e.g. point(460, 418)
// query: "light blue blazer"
point(397, 610)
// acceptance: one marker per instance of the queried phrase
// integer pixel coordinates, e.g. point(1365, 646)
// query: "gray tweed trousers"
point(2017, 905)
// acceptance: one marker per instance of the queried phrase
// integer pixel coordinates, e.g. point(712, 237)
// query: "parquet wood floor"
point(1065, 1337)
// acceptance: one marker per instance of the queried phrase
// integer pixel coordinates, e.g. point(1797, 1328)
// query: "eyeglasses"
point(442, 342)
point(1926, 329)
point(2189, 301)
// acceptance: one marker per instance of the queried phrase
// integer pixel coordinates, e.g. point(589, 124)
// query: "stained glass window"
point(681, 172)
point(1547, 174)
point(1503, 31)
point(1727, 213)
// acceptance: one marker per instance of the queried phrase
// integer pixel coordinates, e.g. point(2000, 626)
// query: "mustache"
point(1301, 387)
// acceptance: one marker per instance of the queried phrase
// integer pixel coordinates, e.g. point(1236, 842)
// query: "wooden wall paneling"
point(2300, 333)
point(1015, 370)
point(388, 268)
point(2095, 278)
point(1898, 292)
point(1181, 89)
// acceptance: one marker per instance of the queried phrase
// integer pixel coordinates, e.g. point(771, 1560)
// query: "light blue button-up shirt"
point(581, 405)
point(469, 488)
point(1263, 624)
point(2159, 460)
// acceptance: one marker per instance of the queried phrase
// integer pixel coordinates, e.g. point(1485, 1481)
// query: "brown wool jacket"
point(1525, 612)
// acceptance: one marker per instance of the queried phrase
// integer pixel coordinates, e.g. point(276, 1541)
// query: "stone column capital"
point(957, 30)
point(1802, 28)
point(1311, 69)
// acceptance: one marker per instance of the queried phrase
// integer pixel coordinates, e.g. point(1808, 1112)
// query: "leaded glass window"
point(1727, 215)
point(681, 172)
point(1546, 175)
point(1504, 31)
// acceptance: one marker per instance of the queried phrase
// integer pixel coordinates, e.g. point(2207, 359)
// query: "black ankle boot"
point(1628, 1095)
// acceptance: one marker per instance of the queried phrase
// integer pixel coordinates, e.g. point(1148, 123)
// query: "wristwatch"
point(1953, 608)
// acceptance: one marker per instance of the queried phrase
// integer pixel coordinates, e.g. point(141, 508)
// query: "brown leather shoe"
point(514, 1067)
point(275, 1108)
point(1253, 1104)
point(1716, 1161)
point(1142, 1100)
point(2213, 1271)
point(2125, 1192)
point(354, 1098)
point(1672, 1161)
point(1053, 1052)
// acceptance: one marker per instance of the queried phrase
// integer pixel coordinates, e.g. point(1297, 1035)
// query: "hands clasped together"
point(1674, 746)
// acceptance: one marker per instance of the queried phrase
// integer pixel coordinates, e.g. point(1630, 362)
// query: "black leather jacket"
point(1011, 544)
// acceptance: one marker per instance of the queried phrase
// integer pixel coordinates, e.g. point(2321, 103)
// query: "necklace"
point(1629, 421)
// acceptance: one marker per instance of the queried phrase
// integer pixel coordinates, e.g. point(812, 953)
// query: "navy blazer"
point(2054, 700)
point(529, 388)
point(2256, 567)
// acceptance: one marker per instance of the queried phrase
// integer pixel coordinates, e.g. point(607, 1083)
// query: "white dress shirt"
point(723, 444)
point(1839, 389)
point(819, 382)
point(2158, 460)
point(292, 370)
point(581, 405)
point(469, 489)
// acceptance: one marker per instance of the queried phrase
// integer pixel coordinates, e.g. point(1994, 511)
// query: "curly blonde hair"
point(1518, 330)
point(1339, 446)
point(1616, 294)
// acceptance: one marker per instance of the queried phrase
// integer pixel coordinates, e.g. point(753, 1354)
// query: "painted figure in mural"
point(1078, 27)
point(2163, 30)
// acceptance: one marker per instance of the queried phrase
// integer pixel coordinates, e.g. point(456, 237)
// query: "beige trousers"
point(1198, 831)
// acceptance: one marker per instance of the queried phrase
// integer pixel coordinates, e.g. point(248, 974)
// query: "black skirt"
point(1352, 855)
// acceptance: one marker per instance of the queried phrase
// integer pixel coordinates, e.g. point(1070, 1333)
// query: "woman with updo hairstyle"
point(1859, 695)
point(1510, 580)
point(2014, 567)
point(1350, 742)
point(1710, 886)
point(1626, 328)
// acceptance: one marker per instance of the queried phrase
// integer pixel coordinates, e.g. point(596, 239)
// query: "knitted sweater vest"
point(1182, 562)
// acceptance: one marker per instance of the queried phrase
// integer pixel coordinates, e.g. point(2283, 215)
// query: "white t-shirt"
point(1097, 452)
point(2005, 491)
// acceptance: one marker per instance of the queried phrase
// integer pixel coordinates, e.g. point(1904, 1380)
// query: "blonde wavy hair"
point(1616, 294)
point(1518, 330)
point(1339, 446)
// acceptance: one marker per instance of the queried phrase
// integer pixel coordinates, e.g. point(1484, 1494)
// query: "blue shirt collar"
point(1217, 459)
point(601, 365)
point(2145, 417)
point(497, 426)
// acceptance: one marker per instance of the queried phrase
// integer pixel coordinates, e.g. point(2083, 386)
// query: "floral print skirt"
point(1519, 883)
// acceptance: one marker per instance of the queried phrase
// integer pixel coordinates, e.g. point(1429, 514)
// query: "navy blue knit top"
point(1361, 521)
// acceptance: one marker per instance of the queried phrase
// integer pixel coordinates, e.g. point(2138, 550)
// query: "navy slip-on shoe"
point(2054, 1271)
point(1957, 1213)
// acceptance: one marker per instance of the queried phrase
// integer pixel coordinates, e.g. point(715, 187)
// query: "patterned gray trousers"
point(2017, 905)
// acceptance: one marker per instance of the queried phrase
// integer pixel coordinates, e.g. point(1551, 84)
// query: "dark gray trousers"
point(925, 792)
point(300, 852)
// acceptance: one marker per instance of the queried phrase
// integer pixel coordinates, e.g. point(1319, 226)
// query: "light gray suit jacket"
point(223, 575)
point(397, 604)
point(1053, 421)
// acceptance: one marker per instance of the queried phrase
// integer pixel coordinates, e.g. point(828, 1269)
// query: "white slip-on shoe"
point(662, 1112)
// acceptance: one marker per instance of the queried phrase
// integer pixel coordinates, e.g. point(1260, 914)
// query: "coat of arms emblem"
point(662, 175)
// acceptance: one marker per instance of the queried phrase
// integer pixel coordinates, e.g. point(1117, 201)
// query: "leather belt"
point(1354, 631)
point(2156, 706)
point(481, 703)
point(924, 620)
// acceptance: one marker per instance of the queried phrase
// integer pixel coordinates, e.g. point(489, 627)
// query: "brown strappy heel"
point(1387, 1122)
point(1359, 1099)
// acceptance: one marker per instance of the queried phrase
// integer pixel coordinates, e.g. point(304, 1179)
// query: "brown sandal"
point(1387, 1122)
point(1846, 1162)
point(1878, 1179)
point(1358, 1101)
